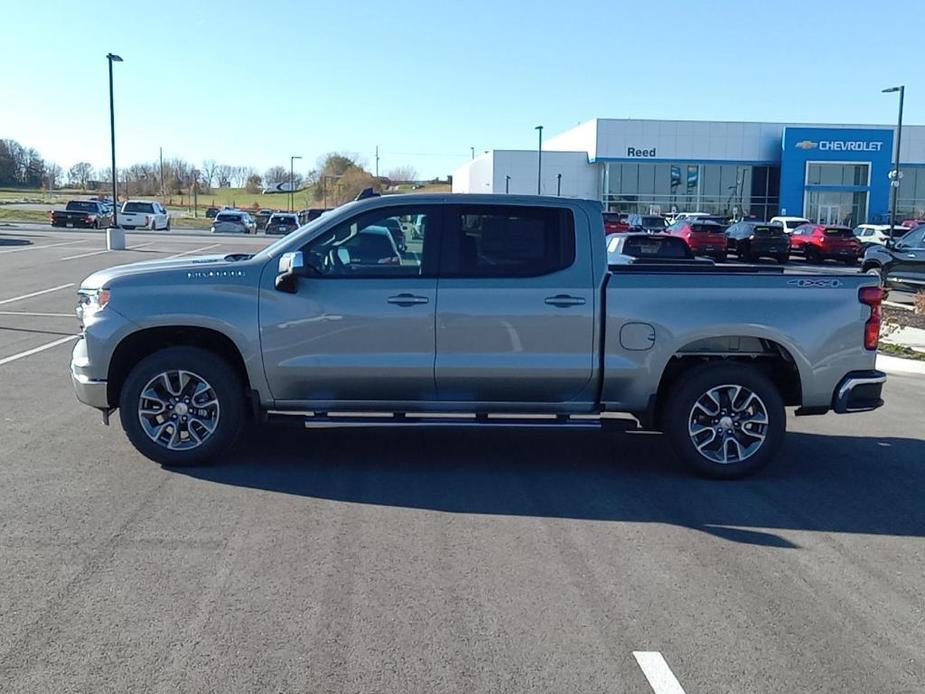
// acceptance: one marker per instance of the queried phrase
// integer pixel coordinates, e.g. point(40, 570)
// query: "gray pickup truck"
point(501, 311)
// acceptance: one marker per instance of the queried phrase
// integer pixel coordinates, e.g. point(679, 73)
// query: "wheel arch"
point(137, 345)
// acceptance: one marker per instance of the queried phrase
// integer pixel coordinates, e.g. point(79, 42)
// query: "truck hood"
point(104, 278)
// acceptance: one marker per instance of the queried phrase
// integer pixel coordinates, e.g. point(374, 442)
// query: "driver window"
point(382, 243)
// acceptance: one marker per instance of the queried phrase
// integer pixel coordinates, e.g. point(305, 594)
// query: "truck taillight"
point(871, 296)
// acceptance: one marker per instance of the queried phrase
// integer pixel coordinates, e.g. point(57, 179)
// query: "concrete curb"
point(898, 365)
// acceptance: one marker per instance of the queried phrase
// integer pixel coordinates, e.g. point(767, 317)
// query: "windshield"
point(839, 232)
point(138, 207)
point(794, 223)
point(651, 222)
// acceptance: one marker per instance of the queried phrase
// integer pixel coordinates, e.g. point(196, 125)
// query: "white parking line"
point(49, 245)
point(105, 250)
point(195, 250)
point(656, 670)
point(36, 350)
point(32, 314)
point(38, 293)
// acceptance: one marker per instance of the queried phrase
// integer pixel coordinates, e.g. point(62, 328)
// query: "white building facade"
point(833, 173)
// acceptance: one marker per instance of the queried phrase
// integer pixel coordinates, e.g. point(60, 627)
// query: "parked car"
point(820, 242)
point(146, 214)
point(704, 237)
point(615, 222)
point(789, 223)
point(262, 218)
point(650, 223)
point(84, 214)
point(877, 233)
point(710, 360)
point(644, 248)
point(912, 223)
point(688, 216)
point(282, 223)
point(393, 224)
point(753, 240)
point(234, 222)
point(899, 263)
point(211, 212)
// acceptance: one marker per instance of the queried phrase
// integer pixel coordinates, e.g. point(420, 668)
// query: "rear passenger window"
point(508, 241)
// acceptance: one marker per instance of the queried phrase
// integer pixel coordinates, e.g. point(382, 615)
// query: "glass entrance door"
point(836, 207)
point(828, 214)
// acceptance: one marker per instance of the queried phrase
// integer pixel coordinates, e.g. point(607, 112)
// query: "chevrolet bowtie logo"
point(806, 144)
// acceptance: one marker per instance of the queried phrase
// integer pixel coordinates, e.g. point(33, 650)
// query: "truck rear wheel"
point(182, 406)
point(726, 420)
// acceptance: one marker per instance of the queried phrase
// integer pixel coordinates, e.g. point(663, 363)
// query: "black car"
point(753, 240)
point(641, 247)
point(211, 212)
point(900, 263)
point(262, 217)
point(282, 223)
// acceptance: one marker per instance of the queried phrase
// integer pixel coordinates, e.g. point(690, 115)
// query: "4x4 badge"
point(815, 284)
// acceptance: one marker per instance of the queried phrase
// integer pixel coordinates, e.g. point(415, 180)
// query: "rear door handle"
point(563, 300)
point(407, 300)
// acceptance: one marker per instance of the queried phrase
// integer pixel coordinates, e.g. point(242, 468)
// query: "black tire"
point(228, 391)
point(167, 228)
point(680, 411)
point(782, 258)
point(812, 256)
point(744, 252)
point(850, 261)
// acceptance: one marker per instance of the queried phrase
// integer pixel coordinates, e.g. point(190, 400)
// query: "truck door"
point(515, 306)
point(361, 329)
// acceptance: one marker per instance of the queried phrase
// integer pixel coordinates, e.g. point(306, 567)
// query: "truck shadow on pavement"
point(819, 483)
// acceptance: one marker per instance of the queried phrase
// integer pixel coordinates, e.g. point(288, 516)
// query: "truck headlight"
point(90, 301)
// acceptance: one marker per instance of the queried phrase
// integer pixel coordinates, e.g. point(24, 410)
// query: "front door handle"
point(407, 300)
point(563, 300)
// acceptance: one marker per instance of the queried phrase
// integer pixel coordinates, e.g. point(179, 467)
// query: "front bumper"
point(859, 391)
point(90, 391)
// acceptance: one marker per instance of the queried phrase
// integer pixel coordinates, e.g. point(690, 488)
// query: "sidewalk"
point(914, 338)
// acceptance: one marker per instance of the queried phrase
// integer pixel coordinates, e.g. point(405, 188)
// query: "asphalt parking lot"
point(349, 561)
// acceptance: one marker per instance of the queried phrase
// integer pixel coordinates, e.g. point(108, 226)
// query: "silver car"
point(234, 222)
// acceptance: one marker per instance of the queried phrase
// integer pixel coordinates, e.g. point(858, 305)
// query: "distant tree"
point(223, 173)
point(275, 175)
point(80, 174)
point(403, 174)
point(54, 176)
point(338, 163)
point(254, 184)
point(208, 169)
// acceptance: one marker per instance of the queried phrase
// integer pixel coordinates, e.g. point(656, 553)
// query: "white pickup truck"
point(144, 214)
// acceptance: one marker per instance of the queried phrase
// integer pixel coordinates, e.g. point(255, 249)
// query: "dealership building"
point(830, 173)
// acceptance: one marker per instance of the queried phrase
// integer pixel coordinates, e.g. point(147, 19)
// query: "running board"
point(323, 420)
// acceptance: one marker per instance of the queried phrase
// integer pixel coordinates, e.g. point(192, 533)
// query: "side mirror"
point(291, 267)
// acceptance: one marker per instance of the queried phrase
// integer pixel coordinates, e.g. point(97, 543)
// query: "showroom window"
point(837, 174)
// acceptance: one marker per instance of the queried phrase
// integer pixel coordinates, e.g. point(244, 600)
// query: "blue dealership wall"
point(865, 145)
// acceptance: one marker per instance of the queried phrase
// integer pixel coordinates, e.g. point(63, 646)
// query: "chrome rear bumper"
point(859, 391)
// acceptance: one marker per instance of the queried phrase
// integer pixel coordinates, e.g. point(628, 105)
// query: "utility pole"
point(112, 130)
point(472, 152)
point(539, 161)
point(507, 184)
point(291, 193)
point(161, 157)
point(377, 162)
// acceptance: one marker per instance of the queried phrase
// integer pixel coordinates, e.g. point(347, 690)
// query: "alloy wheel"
point(728, 424)
point(178, 410)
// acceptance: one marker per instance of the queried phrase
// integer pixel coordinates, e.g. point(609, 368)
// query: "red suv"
point(818, 242)
point(615, 222)
point(703, 237)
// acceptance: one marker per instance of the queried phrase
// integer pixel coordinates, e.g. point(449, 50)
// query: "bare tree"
point(54, 175)
point(80, 174)
point(207, 171)
point(275, 175)
point(223, 173)
point(403, 174)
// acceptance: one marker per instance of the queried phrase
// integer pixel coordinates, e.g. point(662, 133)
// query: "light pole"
point(507, 184)
point(895, 175)
point(558, 184)
point(472, 152)
point(112, 58)
point(539, 160)
point(291, 194)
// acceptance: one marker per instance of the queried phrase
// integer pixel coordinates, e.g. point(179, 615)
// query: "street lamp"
point(291, 194)
point(558, 184)
point(507, 184)
point(539, 160)
point(895, 175)
point(112, 131)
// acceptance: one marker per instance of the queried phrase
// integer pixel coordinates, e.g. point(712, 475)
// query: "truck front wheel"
point(725, 419)
point(182, 406)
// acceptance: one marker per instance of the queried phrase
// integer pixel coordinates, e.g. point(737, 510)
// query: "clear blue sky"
point(251, 83)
